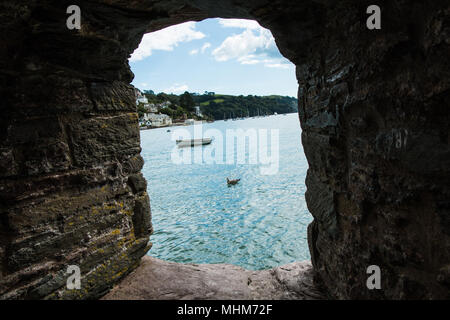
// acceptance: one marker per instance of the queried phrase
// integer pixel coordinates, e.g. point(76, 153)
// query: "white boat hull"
point(193, 142)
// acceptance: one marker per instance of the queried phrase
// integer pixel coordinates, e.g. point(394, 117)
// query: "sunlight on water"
point(257, 224)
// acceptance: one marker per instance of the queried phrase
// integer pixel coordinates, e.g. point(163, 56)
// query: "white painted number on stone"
point(374, 20)
point(74, 20)
point(73, 281)
point(374, 281)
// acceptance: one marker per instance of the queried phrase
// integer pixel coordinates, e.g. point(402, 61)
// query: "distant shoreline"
point(167, 126)
point(181, 124)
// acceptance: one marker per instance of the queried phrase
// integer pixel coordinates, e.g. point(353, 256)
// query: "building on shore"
point(145, 123)
point(155, 120)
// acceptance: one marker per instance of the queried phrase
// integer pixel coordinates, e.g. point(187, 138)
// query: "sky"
point(226, 56)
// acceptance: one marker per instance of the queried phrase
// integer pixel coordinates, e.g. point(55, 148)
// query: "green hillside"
point(220, 106)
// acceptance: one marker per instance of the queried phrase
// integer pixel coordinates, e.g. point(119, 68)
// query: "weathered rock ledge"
point(159, 279)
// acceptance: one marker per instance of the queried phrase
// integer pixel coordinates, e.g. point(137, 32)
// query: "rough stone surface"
point(374, 111)
point(157, 279)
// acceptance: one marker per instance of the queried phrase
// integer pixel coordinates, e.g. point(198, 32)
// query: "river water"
point(257, 224)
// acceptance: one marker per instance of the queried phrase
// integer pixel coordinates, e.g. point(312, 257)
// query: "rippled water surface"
point(259, 223)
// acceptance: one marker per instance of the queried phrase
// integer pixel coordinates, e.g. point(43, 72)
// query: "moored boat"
point(193, 142)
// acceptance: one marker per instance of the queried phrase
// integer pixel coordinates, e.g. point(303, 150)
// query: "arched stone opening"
point(372, 105)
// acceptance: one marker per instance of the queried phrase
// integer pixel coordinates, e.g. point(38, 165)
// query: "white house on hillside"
point(165, 104)
point(198, 112)
point(151, 107)
point(141, 99)
point(157, 120)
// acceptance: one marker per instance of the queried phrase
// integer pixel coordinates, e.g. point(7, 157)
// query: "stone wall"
point(373, 107)
point(375, 117)
point(71, 188)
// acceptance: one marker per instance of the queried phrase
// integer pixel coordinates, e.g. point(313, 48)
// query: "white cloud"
point(244, 44)
point(278, 65)
point(205, 46)
point(166, 39)
point(267, 62)
point(239, 23)
point(255, 45)
point(202, 49)
point(177, 88)
point(249, 59)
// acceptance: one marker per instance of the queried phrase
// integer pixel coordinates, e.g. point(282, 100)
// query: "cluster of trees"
point(181, 107)
point(185, 100)
point(226, 106)
point(141, 110)
point(217, 106)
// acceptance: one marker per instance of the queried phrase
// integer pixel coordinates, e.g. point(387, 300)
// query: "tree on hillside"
point(186, 101)
point(162, 97)
point(141, 110)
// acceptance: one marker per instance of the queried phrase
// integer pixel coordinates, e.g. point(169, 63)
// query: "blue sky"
point(228, 56)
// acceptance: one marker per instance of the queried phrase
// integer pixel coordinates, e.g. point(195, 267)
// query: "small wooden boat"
point(193, 142)
point(232, 182)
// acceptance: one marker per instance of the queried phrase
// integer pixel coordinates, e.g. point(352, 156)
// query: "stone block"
point(101, 139)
